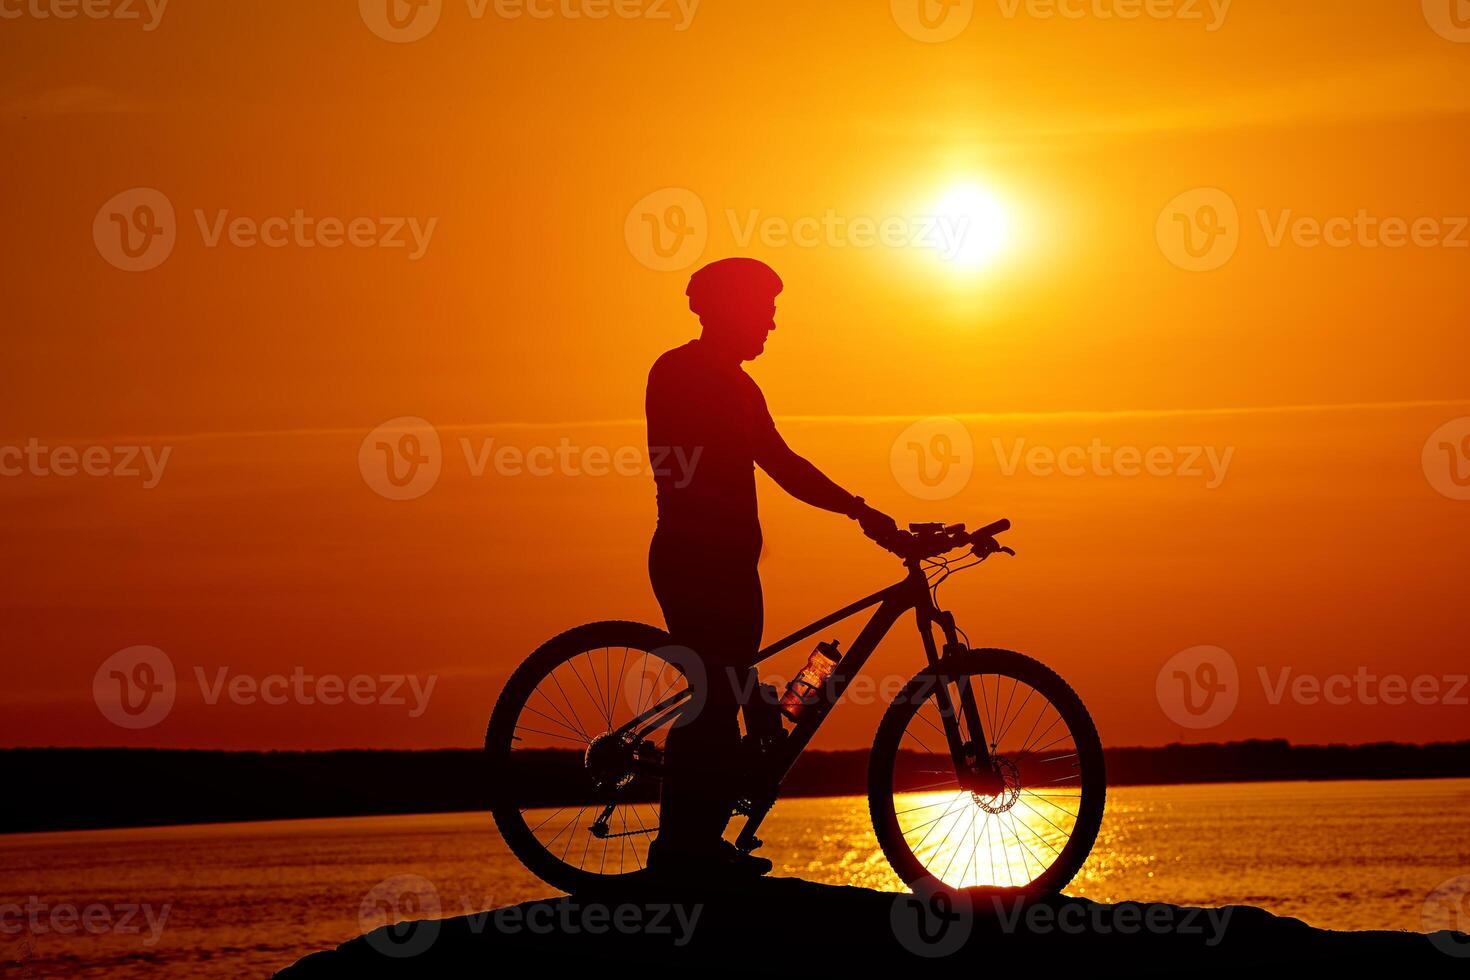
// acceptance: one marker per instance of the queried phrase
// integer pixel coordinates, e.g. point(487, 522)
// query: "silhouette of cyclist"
point(705, 410)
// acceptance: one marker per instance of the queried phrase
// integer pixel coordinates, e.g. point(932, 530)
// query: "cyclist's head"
point(735, 300)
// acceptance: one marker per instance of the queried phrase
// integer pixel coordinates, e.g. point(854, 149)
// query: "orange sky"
point(529, 319)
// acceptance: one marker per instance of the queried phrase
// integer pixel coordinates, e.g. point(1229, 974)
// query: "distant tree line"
point(72, 789)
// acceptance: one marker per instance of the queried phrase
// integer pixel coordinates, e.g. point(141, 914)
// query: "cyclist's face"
point(746, 321)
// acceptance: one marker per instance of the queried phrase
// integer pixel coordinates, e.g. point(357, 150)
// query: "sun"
point(975, 228)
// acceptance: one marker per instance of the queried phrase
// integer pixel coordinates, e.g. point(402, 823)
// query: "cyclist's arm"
point(800, 478)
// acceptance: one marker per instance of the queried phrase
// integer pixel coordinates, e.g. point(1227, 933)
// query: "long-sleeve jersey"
point(708, 428)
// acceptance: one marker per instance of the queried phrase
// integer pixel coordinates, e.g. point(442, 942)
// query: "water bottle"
point(805, 688)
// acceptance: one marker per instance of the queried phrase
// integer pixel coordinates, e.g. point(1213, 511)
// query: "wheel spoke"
point(538, 731)
point(590, 696)
point(581, 735)
point(575, 715)
point(999, 739)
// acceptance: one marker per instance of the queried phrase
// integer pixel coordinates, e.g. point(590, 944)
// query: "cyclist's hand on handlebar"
point(876, 524)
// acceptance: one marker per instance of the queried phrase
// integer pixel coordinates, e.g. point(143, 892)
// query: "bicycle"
point(1027, 805)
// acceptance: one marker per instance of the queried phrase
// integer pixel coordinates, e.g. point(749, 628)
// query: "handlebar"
point(923, 541)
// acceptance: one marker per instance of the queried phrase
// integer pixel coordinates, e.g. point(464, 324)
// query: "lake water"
point(233, 900)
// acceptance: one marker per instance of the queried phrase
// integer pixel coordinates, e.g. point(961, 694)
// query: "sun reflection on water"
point(972, 841)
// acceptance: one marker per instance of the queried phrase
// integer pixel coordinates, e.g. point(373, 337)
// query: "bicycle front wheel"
point(1032, 829)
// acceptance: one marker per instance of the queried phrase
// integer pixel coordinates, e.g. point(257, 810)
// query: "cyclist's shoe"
point(744, 864)
point(721, 861)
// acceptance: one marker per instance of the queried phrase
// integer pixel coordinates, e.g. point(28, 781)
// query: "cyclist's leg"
point(712, 605)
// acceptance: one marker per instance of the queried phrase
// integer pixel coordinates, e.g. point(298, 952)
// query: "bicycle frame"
point(971, 758)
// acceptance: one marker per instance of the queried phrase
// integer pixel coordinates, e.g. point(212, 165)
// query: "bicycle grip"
point(991, 530)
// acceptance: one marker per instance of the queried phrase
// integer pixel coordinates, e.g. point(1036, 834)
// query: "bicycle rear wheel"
point(575, 794)
point(1034, 830)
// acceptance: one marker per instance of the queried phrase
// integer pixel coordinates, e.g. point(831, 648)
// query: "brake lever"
point(991, 547)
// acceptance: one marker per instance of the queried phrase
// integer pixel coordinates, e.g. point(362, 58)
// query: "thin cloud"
point(1065, 415)
point(73, 100)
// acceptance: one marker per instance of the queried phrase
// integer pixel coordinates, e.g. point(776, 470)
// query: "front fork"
point(973, 766)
